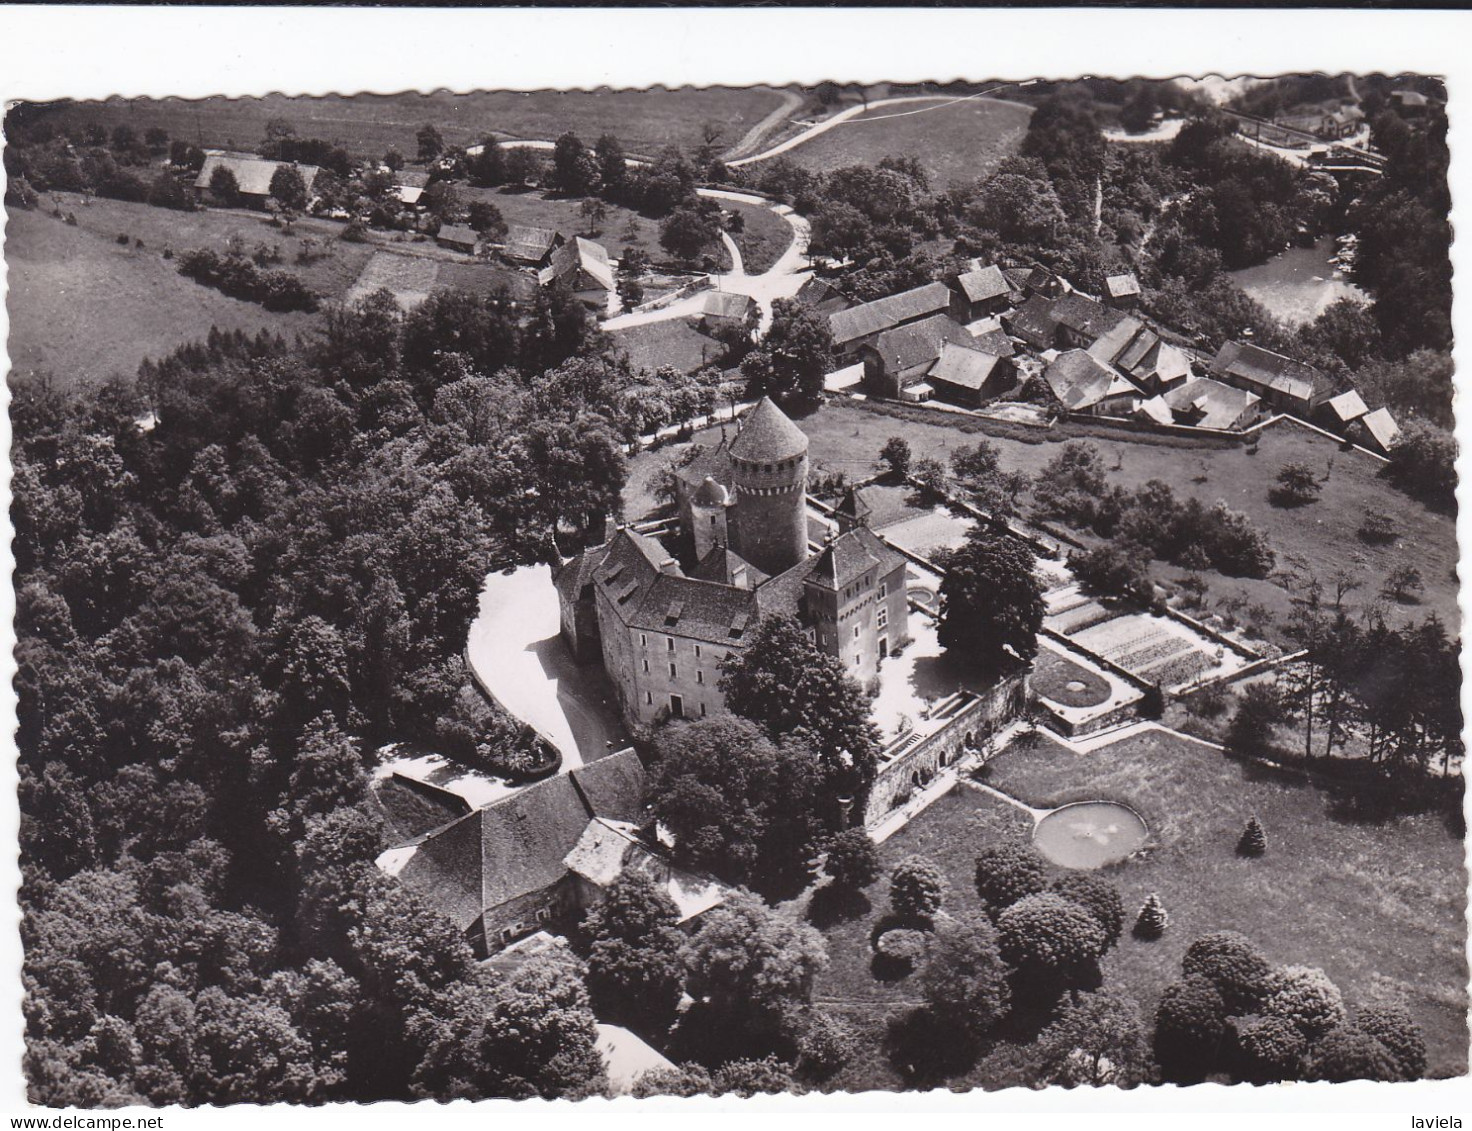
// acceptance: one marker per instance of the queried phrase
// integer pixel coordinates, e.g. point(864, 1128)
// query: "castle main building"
point(660, 628)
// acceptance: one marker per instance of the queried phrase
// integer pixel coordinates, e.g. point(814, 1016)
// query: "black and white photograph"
point(859, 584)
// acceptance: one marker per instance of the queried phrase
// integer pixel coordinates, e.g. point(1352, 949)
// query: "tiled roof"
point(768, 434)
point(823, 297)
point(252, 174)
point(1080, 380)
point(613, 787)
point(919, 343)
point(881, 314)
point(1137, 356)
point(711, 493)
point(1156, 409)
point(608, 849)
point(577, 572)
point(723, 565)
point(1215, 404)
point(531, 244)
point(727, 304)
point(854, 505)
point(983, 284)
point(1119, 339)
point(712, 462)
point(1033, 320)
point(1382, 428)
point(1348, 406)
point(1122, 286)
point(1269, 370)
point(1084, 316)
point(994, 342)
point(849, 556)
point(581, 255)
point(968, 368)
point(458, 233)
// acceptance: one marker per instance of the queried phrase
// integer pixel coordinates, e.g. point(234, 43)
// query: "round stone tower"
point(708, 507)
point(769, 471)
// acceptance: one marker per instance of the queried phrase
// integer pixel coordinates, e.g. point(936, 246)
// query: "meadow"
point(1378, 906)
point(369, 124)
point(956, 144)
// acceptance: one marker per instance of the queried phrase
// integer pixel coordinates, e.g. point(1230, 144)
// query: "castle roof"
point(711, 494)
point(724, 565)
point(853, 505)
point(768, 435)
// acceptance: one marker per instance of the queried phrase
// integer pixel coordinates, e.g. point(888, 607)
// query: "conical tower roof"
point(711, 494)
point(768, 435)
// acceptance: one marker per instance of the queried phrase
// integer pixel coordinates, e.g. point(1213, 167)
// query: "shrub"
point(1190, 1022)
point(1305, 996)
point(1153, 919)
point(1398, 1032)
point(1099, 898)
point(916, 889)
point(965, 981)
point(896, 453)
point(853, 861)
point(1232, 964)
point(902, 944)
point(1346, 1054)
point(1269, 1049)
point(824, 1043)
point(1007, 873)
point(1252, 842)
point(124, 239)
point(1378, 529)
point(1053, 942)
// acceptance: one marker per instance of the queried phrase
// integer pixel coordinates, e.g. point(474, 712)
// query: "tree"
point(1051, 942)
point(430, 143)
point(289, 187)
point(991, 600)
point(916, 890)
point(1297, 485)
point(393, 159)
point(853, 860)
point(488, 168)
point(1404, 584)
point(540, 1036)
point(1269, 1049)
point(964, 981)
point(738, 804)
point(574, 168)
point(687, 233)
point(1347, 1053)
point(486, 218)
point(1115, 569)
point(1097, 1039)
point(824, 1042)
point(1008, 872)
point(594, 211)
point(794, 357)
point(1423, 465)
point(1305, 996)
point(896, 454)
point(749, 961)
point(1190, 1022)
point(1098, 897)
point(1252, 842)
point(1231, 963)
point(979, 470)
point(792, 690)
point(224, 187)
point(1399, 1034)
point(1251, 733)
point(746, 1078)
point(1153, 919)
point(612, 164)
point(634, 941)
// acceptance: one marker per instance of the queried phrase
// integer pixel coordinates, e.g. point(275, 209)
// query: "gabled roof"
point(724, 565)
point(1119, 339)
point(1137, 357)
point(967, 368)
point(1122, 286)
point(1265, 369)
point(577, 572)
point(1084, 316)
point(1210, 404)
point(252, 174)
point(983, 283)
point(823, 296)
point(458, 233)
point(712, 462)
point(919, 343)
point(1381, 427)
point(612, 787)
point(881, 314)
point(1079, 380)
point(854, 505)
point(727, 304)
point(609, 848)
point(1033, 320)
point(581, 256)
point(528, 243)
point(1156, 409)
point(1348, 406)
point(768, 435)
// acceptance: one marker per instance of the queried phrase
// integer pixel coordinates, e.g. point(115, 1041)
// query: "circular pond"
point(1090, 834)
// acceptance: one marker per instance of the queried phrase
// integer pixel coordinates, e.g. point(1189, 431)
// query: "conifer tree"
point(1153, 919)
point(1253, 842)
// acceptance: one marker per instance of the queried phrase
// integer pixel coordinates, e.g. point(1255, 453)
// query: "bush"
point(236, 276)
point(916, 889)
point(1378, 529)
point(1305, 996)
point(1153, 919)
point(853, 861)
point(1232, 964)
point(1052, 942)
point(1099, 898)
point(1348, 1054)
point(902, 944)
point(1190, 1022)
point(824, 1042)
point(964, 982)
point(123, 239)
point(1253, 842)
point(1395, 1029)
point(1269, 1049)
point(1007, 873)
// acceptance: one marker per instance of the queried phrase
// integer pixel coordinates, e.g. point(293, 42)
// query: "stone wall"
point(982, 715)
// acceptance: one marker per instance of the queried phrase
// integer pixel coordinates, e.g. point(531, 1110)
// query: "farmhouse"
point(1410, 103)
point(1205, 403)
point(1285, 384)
point(585, 268)
point(860, 325)
point(823, 296)
point(1338, 413)
point(1122, 291)
point(662, 631)
point(1082, 322)
point(458, 237)
point(897, 361)
point(1341, 123)
point(1154, 364)
point(724, 310)
point(981, 292)
point(1033, 322)
point(969, 377)
point(542, 854)
point(531, 246)
point(252, 177)
point(1082, 383)
point(1377, 431)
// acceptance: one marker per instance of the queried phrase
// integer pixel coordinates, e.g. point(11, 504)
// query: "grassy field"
point(1378, 907)
point(85, 308)
point(678, 342)
point(763, 239)
point(846, 436)
point(539, 209)
point(369, 124)
point(956, 144)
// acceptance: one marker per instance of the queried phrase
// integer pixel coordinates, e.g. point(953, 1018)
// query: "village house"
point(970, 377)
point(1410, 103)
point(252, 178)
point(662, 630)
point(981, 292)
point(539, 856)
point(1341, 123)
point(584, 267)
point(1204, 403)
point(723, 310)
point(1080, 382)
point(1376, 431)
point(823, 296)
point(531, 247)
point(1034, 282)
point(1338, 413)
point(458, 237)
point(1122, 291)
point(897, 361)
point(860, 325)
point(1033, 323)
point(1153, 364)
point(1286, 385)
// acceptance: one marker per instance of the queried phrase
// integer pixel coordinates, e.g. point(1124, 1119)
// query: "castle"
point(661, 627)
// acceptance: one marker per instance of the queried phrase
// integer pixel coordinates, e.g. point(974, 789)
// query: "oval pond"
point(1090, 834)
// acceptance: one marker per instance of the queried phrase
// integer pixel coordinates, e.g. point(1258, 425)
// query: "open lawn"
point(764, 237)
point(85, 308)
point(847, 436)
point(678, 342)
point(540, 209)
point(957, 143)
point(369, 124)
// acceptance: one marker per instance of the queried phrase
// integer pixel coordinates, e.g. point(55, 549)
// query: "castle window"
point(674, 674)
point(856, 632)
point(697, 651)
point(669, 643)
point(646, 667)
point(702, 710)
point(643, 640)
point(883, 616)
point(699, 677)
point(649, 698)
